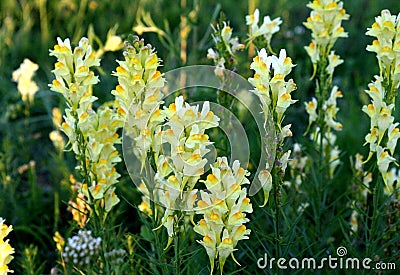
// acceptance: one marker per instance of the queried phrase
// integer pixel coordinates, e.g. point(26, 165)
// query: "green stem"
point(322, 85)
point(177, 256)
point(277, 183)
point(277, 217)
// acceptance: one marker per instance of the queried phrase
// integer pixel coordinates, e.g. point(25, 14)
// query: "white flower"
point(284, 160)
point(393, 136)
point(334, 61)
point(311, 109)
point(384, 159)
point(267, 29)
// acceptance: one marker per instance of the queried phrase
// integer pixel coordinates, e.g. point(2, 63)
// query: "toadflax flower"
point(226, 47)
point(138, 94)
point(265, 31)
point(383, 90)
point(23, 76)
point(92, 135)
point(325, 22)
point(6, 250)
point(386, 46)
point(223, 205)
point(274, 92)
point(138, 98)
point(269, 82)
point(180, 170)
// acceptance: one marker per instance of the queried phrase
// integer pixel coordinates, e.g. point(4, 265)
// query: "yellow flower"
point(384, 26)
point(325, 24)
point(311, 108)
point(393, 136)
point(313, 51)
point(6, 250)
point(113, 43)
point(225, 248)
point(223, 208)
point(23, 76)
point(384, 159)
point(334, 61)
point(226, 33)
point(387, 46)
point(270, 84)
point(330, 109)
point(93, 131)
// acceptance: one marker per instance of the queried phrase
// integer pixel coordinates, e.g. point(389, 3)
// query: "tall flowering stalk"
point(6, 250)
point(226, 47)
point(173, 138)
point(325, 24)
point(138, 98)
point(377, 174)
point(223, 206)
point(179, 171)
point(224, 56)
point(383, 91)
point(138, 93)
point(179, 126)
point(92, 135)
point(275, 94)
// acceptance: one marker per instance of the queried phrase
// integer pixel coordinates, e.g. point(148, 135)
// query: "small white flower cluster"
point(267, 28)
point(23, 76)
point(226, 48)
point(82, 249)
point(116, 256)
